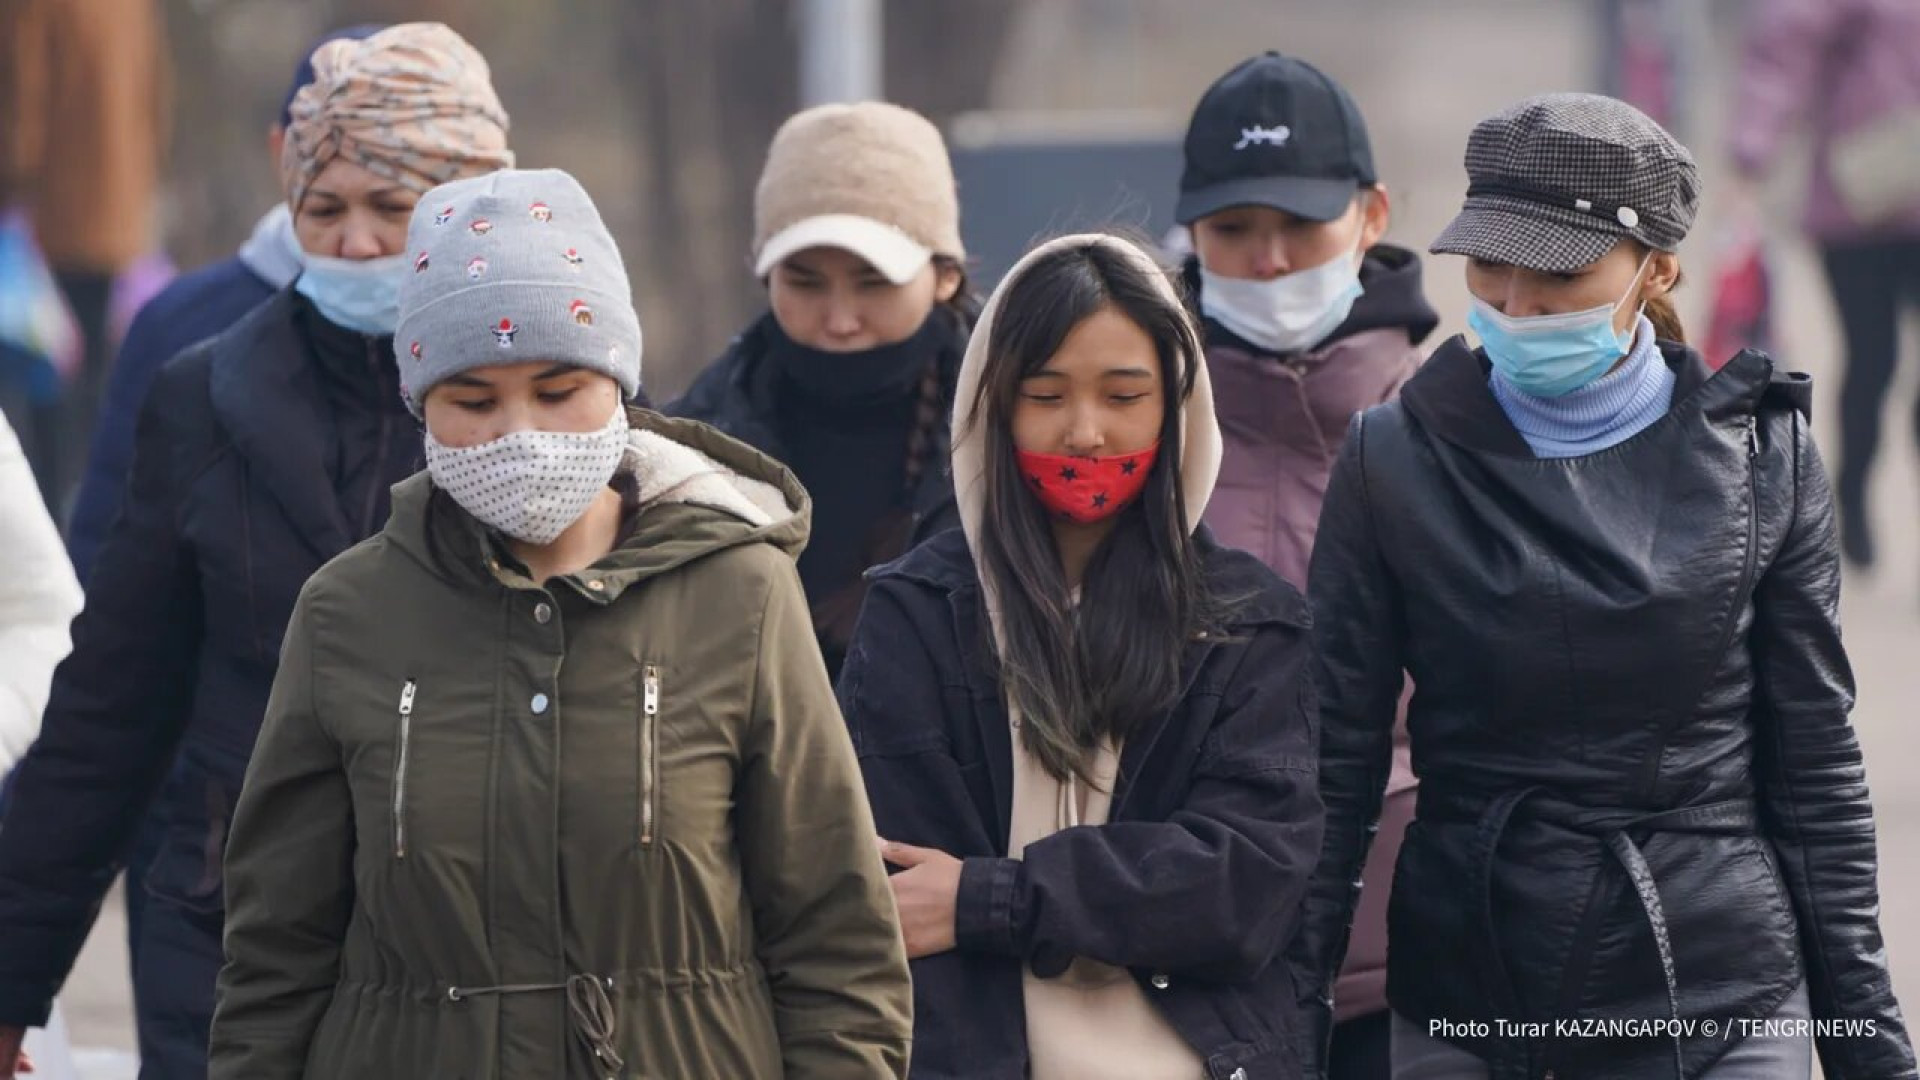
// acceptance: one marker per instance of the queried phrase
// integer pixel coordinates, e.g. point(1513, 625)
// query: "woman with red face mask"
point(1085, 727)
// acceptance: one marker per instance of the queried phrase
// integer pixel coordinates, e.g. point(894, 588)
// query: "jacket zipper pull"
point(1753, 438)
point(400, 770)
point(649, 752)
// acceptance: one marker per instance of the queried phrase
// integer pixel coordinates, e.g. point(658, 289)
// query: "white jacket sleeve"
point(38, 599)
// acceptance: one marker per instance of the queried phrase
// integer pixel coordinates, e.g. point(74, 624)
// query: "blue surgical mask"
point(359, 294)
point(1553, 355)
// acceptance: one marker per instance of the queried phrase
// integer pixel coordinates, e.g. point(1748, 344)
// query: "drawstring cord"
point(594, 1018)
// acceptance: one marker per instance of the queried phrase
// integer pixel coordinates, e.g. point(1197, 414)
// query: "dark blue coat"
point(1194, 883)
point(192, 308)
point(260, 454)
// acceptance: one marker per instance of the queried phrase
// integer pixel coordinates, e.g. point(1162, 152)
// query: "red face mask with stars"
point(1086, 489)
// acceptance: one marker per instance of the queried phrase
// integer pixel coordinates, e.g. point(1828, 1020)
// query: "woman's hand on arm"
point(927, 892)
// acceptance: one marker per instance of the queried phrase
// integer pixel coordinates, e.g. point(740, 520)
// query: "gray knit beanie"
point(513, 267)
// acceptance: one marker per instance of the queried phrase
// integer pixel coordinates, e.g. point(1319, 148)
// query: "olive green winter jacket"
point(611, 826)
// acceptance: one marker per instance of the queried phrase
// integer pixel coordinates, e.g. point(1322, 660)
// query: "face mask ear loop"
point(1635, 284)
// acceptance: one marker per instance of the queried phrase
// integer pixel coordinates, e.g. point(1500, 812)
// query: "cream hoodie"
point(1094, 1022)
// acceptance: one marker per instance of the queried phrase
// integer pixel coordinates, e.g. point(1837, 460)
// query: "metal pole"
point(840, 44)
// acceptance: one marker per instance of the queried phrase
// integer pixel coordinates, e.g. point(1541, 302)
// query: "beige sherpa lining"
point(674, 472)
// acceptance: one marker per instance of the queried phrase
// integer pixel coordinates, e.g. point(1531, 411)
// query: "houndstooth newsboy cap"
point(1554, 182)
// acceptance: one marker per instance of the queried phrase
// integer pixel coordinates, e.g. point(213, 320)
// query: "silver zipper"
point(400, 771)
point(649, 750)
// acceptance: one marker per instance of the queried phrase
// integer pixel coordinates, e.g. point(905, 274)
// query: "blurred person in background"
point(1847, 72)
point(1086, 727)
point(848, 378)
point(1611, 573)
point(604, 819)
point(1308, 318)
point(38, 597)
point(84, 100)
point(190, 309)
point(260, 454)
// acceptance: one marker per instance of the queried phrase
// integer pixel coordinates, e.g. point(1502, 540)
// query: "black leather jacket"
point(1641, 796)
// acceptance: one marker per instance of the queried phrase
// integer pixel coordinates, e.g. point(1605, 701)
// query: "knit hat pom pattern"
point(513, 267)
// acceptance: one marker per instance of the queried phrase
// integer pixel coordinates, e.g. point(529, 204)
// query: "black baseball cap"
point(1275, 131)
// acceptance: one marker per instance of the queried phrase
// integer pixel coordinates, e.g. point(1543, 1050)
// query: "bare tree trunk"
point(942, 55)
point(212, 161)
point(708, 85)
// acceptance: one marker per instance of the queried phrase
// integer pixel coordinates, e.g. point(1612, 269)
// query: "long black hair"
point(1102, 667)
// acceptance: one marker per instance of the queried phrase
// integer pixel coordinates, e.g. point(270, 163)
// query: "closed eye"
point(555, 397)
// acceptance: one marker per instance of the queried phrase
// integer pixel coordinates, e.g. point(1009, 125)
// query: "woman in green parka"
point(552, 782)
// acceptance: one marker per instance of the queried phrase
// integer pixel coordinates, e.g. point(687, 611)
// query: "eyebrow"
point(556, 371)
point(1114, 373)
point(377, 193)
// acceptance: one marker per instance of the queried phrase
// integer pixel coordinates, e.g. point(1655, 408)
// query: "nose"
point(1513, 295)
point(514, 414)
point(1084, 438)
point(1523, 300)
point(360, 240)
point(1270, 258)
point(843, 318)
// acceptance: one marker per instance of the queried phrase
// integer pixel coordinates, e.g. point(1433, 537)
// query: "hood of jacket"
point(1199, 434)
point(700, 492)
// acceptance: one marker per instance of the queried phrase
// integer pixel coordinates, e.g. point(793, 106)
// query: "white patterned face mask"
point(530, 485)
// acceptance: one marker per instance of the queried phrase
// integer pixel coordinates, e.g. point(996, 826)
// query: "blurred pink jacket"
point(1837, 66)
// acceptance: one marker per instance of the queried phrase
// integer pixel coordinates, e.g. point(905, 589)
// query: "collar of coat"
point(269, 401)
point(700, 493)
point(755, 383)
point(1449, 395)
